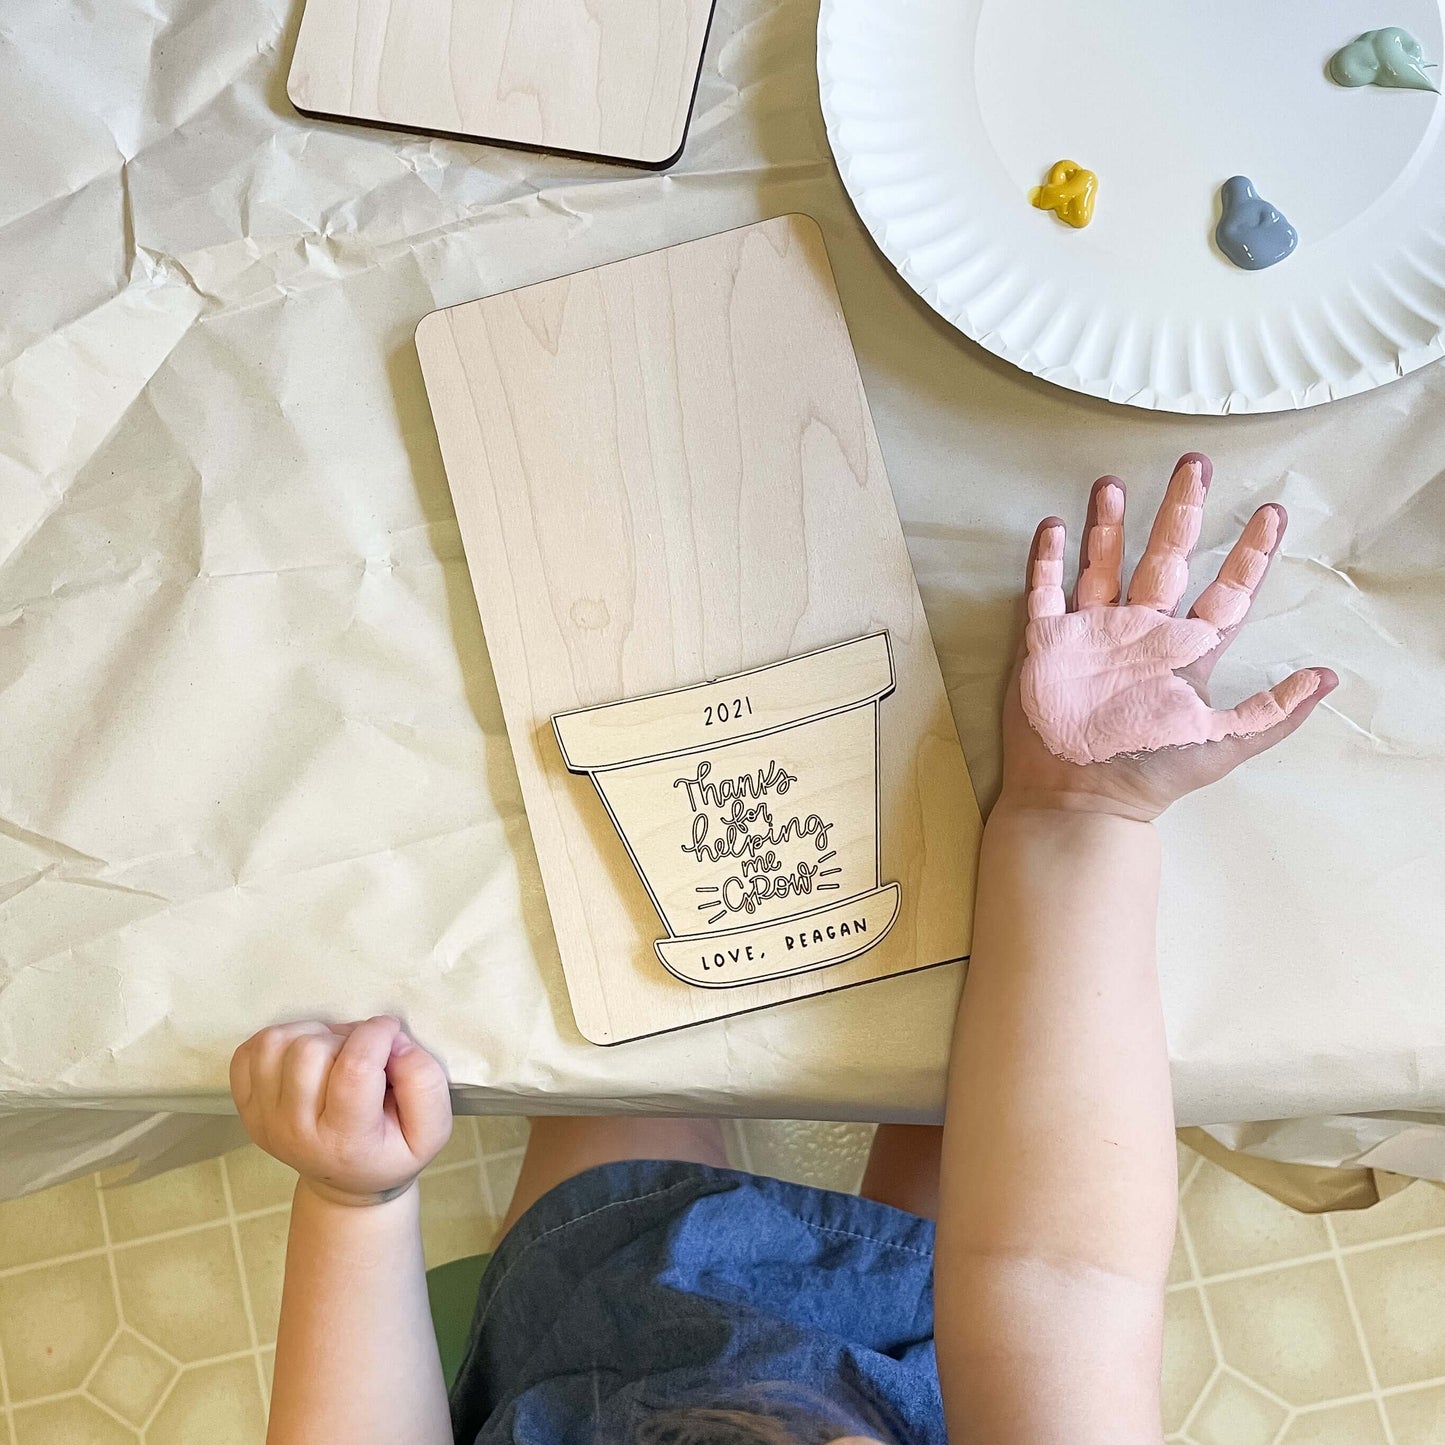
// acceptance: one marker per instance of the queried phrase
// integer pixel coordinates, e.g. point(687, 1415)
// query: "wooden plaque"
point(739, 765)
point(608, 79)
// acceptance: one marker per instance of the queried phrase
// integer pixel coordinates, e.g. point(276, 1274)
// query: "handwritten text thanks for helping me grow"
point(748, 832)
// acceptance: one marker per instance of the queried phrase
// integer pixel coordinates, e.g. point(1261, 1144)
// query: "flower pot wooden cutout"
point(750, 808)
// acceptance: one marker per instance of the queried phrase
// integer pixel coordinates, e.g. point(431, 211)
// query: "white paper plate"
point(943, 114)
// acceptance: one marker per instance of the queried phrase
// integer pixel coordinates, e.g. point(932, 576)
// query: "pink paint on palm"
point(1102, 681)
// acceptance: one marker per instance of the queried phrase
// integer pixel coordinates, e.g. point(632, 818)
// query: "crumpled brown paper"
point(1309, 1188)
point(254, 766)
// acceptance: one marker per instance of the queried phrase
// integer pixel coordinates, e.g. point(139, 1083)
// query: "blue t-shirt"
point(642, 1287)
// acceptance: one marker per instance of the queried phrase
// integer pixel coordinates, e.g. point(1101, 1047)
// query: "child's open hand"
point(358, 1110)
point(1111, 708)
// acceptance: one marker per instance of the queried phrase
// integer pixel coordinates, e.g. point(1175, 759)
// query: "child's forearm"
point(1060, 1087)
point(356, 1355)
point(1059, 1188)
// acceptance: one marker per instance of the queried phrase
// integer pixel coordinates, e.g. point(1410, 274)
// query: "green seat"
point(452, 1292)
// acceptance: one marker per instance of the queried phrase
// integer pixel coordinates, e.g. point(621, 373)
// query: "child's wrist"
point(329, 1194)
point(1042, 802)
point(1107, 844)
point(366, 1236)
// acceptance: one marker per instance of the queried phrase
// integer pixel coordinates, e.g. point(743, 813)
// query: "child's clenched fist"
point(358, 1110)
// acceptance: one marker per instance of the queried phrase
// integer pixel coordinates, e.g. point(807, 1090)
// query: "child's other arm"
point(1059, 1191)
point(358, 1110)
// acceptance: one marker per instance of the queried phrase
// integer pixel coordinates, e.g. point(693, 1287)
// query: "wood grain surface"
point(665, 471)
point(607, 78)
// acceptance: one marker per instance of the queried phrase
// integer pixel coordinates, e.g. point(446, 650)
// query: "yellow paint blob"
point(1068, 192)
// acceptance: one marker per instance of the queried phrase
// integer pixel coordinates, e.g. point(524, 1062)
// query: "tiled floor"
point(147, 1312)
point(1301, 1329)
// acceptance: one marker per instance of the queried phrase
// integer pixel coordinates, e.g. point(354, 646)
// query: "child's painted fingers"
point(1046, 571)
point(422, 1097)
point(1225, 603)
point(356, 1087)
point(1101, 549)
point(1162, 575)
point(1270, 716)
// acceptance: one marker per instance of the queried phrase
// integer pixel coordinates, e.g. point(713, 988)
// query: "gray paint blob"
point(1251, 232)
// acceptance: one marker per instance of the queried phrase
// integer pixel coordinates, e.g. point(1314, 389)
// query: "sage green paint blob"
point(1391, 57)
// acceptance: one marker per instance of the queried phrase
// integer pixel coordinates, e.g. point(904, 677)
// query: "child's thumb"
point(422, 1096)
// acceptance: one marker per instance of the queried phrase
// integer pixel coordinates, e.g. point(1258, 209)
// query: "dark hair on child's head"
point(766, 1414)
point(702, 1425)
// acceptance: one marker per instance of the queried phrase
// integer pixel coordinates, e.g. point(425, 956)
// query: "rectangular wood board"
point(665, 472)
point(611, 80)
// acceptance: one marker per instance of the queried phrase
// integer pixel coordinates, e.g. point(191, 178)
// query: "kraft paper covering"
point(254, 763)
